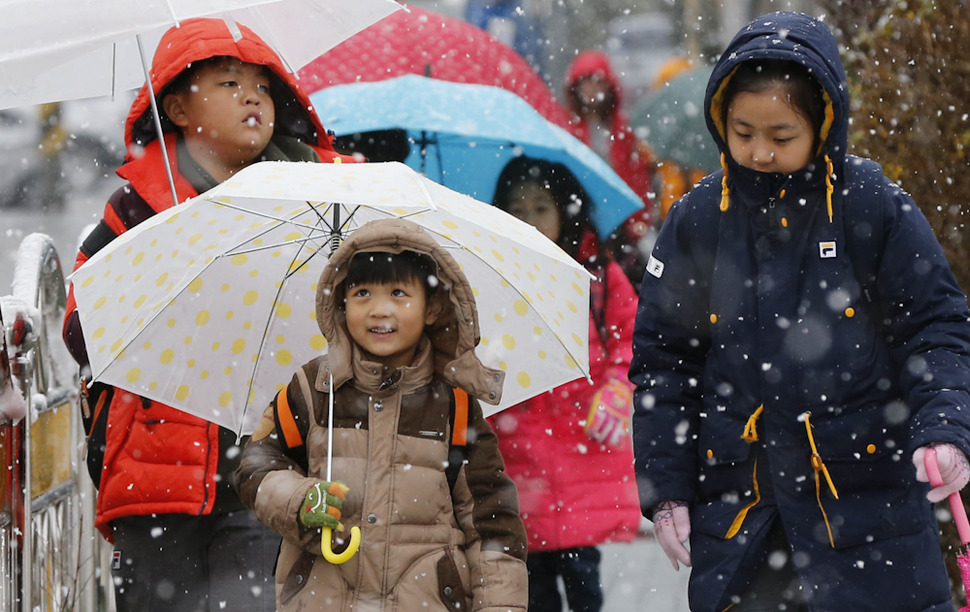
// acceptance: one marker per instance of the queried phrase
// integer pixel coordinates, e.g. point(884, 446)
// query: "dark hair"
point(179, 84)
point(382, 268)
point(566, 191)
point(376, 146)
point(181, 81)
point(804, 91)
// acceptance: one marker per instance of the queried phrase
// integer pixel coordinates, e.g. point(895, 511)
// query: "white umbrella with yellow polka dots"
point(210, 306)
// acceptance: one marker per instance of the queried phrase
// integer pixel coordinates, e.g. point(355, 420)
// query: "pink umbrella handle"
point(956, 504)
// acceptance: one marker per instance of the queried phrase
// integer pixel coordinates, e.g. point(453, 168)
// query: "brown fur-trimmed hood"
point(455, 333)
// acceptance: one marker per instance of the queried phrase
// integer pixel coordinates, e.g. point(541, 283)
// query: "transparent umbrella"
point(56, 50)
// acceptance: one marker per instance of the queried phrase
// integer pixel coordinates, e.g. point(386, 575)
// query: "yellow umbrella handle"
point(337, 559)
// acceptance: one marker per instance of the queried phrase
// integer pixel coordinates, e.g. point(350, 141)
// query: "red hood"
point(199, 39)
point(589, 63)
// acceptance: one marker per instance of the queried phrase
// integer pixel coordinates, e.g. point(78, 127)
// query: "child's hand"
point(671, 527)
point(608, 421)
point(954, 469)
point(321, 507)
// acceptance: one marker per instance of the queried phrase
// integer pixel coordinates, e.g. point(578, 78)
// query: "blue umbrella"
point(462, 135)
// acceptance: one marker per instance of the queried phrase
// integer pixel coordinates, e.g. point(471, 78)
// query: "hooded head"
point(561, 185)
point(200, 39)
point(591, 64)
point(786, 37)
point(454, 334)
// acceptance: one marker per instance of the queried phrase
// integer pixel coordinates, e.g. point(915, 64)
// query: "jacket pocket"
point(451, 585)
point(864, 519)
point(297, 577)
point(725, 460)
point(427, 579)
point(865, 448)
point(865, 452)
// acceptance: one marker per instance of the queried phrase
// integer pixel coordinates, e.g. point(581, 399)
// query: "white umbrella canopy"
point(210, 306)
point(56, 50)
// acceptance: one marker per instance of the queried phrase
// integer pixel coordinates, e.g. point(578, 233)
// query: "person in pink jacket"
point(569, 450)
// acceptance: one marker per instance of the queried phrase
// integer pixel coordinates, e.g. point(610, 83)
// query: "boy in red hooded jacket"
point(182, 539)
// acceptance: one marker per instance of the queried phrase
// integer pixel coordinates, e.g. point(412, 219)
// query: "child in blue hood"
point(800, 343)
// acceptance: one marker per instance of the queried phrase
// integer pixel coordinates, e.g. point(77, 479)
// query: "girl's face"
point(533, 204)
point(765, 132)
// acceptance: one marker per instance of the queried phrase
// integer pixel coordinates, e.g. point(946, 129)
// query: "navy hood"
point(792, 37)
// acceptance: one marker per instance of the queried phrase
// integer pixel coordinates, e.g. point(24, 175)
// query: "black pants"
point(580, 571)
point(180, 562)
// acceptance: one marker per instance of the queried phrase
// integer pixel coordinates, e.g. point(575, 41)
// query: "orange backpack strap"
point(459, 427)
point(294, 430)
point(287, 423)
point(458, 449)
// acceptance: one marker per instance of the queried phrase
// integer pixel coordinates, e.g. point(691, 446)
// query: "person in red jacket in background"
point(594, 97)
point(569, 450)
point(182, 538)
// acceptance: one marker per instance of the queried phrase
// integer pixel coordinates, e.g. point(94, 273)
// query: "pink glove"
point(954, 469)
point(608, 421)
point(671, 527)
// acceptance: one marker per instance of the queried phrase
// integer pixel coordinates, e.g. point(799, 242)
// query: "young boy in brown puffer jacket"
point(401, 326)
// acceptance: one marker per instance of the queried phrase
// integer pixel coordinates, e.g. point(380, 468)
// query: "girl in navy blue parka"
point(800, 341)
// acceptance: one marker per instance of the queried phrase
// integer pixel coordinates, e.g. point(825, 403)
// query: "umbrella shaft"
point(330, 431)
point(157, 117)
point(334, 243)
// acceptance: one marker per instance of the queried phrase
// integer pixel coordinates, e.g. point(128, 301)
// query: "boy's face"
point(226, 113)
point(386, 320)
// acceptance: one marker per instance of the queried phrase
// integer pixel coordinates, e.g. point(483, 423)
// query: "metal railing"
point(51, 559)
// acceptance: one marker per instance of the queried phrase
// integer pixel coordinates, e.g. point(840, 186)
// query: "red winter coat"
point(627, 157)
point(158, 459)
point(574, 491)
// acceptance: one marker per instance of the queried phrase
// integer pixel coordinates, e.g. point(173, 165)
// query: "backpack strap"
point(95, 422)
point(295, 433)
point(286, 422)
point(458, 447)
point(862, 217)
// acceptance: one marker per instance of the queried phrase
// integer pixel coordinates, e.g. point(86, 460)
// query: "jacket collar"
point(755, 188)
point(376, 379)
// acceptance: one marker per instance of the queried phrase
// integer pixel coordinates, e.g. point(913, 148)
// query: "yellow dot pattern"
point(200, 301)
